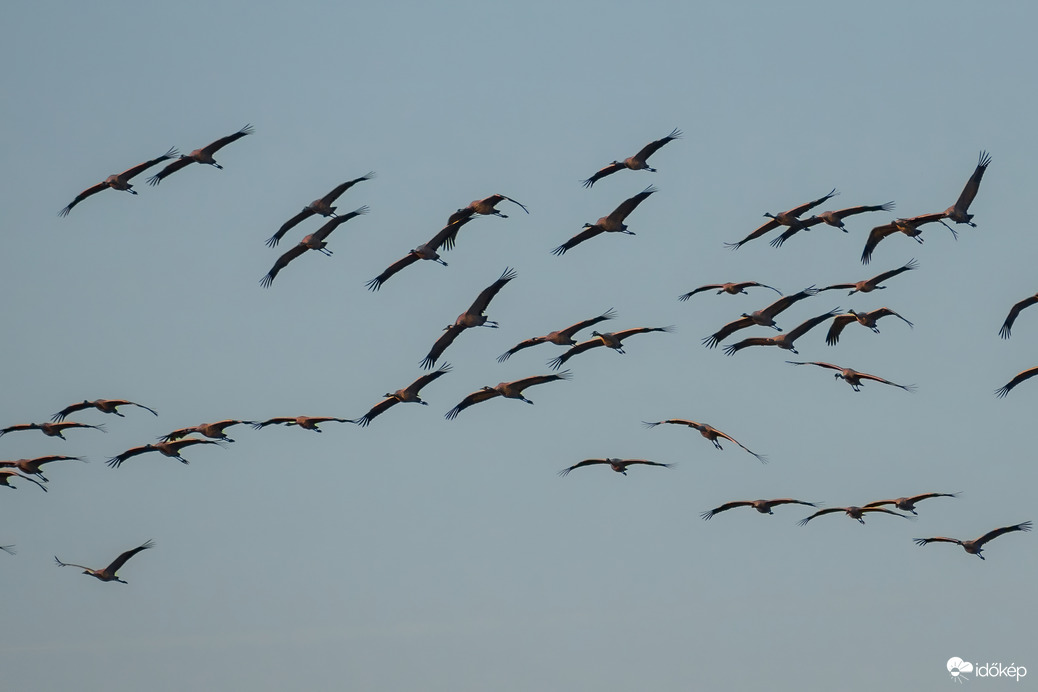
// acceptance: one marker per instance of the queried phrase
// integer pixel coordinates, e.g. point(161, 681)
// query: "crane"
point(907, 504)
point(852, 512)
point(762, 506)
point(322, 206)
point(304, 422)
point(618, 465)
point(509, 390)
point(613, 223)
point(613, 340)
point(203, 155)
point(873, 284)
point(407, 394)
point(729, 288)
point(865, 319)
point(789, 218)
point(764, 317)
point(486, 207)
point(473, 317)
point(853, 377)
point(33, 466)
point(50, 429)
point(315, 241)
point(102, 405)
point(638, 162)
point(976, 546)
point(909, 227)
point(832, 218)
point(959, 212)
point(109, 573)
point(561, 337)
point(785, 339)
point(426, 251)
point(169, 449)
point(709, 432)
point(212, 430)
point(118, 181)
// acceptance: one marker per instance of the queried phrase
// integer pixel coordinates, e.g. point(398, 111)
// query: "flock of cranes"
point(794, 220)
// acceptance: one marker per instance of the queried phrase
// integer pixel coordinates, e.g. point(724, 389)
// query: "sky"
point(424, 553)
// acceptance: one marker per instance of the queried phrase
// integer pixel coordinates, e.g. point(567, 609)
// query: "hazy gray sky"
point(421, 553)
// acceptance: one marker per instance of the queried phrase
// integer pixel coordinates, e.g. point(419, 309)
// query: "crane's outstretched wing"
point(1005, 389)
point(121, 560)
point(1006, 331)
point(224, 141)
point(990, 535)
point(603, 172)
point(281, 263)
point(170, 169)
point(590, 231)
point(629, 204)
point(973, 184)
point(473, 398)
point(446, 339)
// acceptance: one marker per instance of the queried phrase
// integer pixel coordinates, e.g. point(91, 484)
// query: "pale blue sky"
point(421, 553)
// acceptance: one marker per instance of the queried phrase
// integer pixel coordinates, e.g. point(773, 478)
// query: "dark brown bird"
point(102, 405)
point(873, 284)
point(729, 288)
point(959, 212)
point(169, 449)
point(785, 339)
point(709, 432)
point(109, 572)
point(764, 317)
point(203, 155)
point(832, 218)
point(976, 546)
point(1007, 326)
point(485, 206)
point(789, 218)
point(50, 429)
point(907, 504)
point(33, 466)
point(618, 465)
point(853, 377)
point(6, 476)
point(315, 241)
point(562, 337)
point(426, 251)
point(304, 422)
point(835, 218)
point(473, 317)
point(509, 390)
point(853, 512)
point(909, 227)
point(865, 319)
point(408, 394)
point(614, 223)
point(211, 430)
point(118, 181)
point(613, 340)
point(322, 206)
point(638, 162)
point(762, 506)
point(1025, 375)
